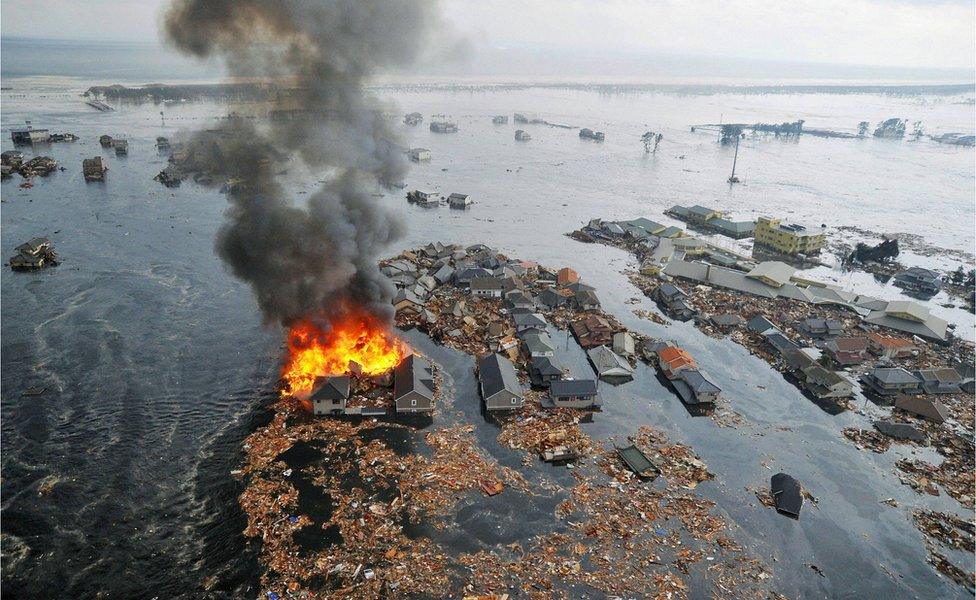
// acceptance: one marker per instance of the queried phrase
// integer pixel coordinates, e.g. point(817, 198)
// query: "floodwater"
point(156, 364)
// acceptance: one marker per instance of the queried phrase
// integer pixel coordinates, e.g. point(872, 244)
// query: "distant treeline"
point(158, 92)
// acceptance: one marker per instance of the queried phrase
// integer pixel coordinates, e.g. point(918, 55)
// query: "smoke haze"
point(318, 260)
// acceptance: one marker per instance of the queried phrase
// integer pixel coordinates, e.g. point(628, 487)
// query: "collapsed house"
point(459, 201)
point(29, 135)
point(924, 283)
point(443, 127)
point(93, 169)
point(419, 154)
point(589, 134)
point(34, 254)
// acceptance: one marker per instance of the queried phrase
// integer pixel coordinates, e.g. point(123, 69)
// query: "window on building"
point(413, 402)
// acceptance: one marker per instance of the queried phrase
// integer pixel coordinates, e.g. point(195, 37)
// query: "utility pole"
point(735, 157)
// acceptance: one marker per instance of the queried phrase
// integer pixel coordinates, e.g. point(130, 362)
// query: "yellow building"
point(788, 239)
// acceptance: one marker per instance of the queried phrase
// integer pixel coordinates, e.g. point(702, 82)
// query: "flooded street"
point(155, 362)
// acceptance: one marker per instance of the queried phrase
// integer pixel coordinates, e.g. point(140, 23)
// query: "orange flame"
point(314, 352)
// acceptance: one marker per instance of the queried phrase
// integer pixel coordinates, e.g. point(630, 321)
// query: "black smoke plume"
point(312, 261)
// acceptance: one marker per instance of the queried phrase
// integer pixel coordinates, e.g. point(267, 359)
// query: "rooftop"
point(573, 387)
point(496, 374)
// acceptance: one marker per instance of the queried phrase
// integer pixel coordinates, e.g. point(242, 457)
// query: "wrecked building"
point(922, 282)
point(419, 154)
point(29, 135)
point(459, 201)
point(34, 254)
point(443, 127)
point(824, 383)
point(93, 169)
point(589, 134)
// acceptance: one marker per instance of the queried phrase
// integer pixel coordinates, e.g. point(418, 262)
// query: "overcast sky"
point(891, 33)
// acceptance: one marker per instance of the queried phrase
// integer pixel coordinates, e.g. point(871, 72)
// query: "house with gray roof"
point(609, 364)
point(329, 395)
point(463, 277)
point(413, 385)
point(727, 320)
point(457, 200)
point(759, 324)
point(909, 317)
point(672, 301)
point(824, 383)
point(891, 381)
point(623, 344)
point(586, 300)
point(498, 383)
point(694, 388)
point(486, 287)
point(551, 298)
point(525, 321)
point(772, 272)
point(444, 274)
point(406, 301)
point(519, 299)
point(820, 328)
point(734, 229)
point(574, 393)
point(780, 342)
point(927, 408)
point(939, 381)
point(538, 344)
point(923, 282)
point(543, 371)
